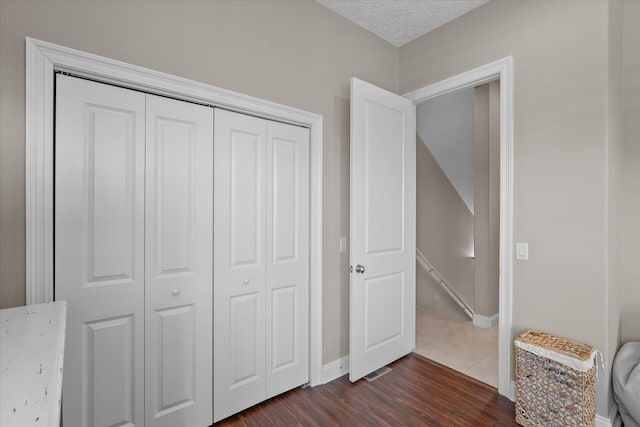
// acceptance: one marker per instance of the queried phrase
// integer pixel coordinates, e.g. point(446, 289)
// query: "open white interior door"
point(383, 230)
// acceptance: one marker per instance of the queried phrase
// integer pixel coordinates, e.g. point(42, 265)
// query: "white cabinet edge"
point(31, 362)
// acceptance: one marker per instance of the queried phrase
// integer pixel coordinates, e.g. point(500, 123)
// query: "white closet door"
point(99, 253)
point(287, 256)
point(179, 243)
point(239, 263)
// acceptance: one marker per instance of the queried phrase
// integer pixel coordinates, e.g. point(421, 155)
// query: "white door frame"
point(43, 60)
point(503, 70)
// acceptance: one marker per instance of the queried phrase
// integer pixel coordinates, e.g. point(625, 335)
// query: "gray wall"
point(430, 296)
point(293, 52)
point(486, 189)
point(445, 124)
point(444, 228)
point(630, 304)
point(613, 171)
point(563, 192)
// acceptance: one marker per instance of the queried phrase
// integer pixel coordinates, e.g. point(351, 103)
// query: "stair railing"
point(424, 262)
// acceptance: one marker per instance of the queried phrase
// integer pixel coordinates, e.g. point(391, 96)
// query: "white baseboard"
point(616, 421)
point(335, 369)
point(484, 321)
point(612, 421)
point(603, 421)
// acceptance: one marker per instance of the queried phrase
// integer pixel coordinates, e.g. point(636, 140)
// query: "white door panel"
point(383, 294)
point(244, 343)
point(239, 263)
point(287, 233)
point(261, 265)
point(99, 252)
point(384, 179)
point(382, 297)
point(176, 348)
point(179, 244)
point(110, 356)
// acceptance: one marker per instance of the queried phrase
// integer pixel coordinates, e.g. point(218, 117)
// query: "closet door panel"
point(174, 191)
point(179, 252)
point(175, 351)
point(99, 253)
point(110, 357)
point(245, 198)
point(239, 263)
point(287, 313)
point(244, 334)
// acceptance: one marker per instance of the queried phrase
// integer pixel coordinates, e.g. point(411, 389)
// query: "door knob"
point(359, 268)
point(245, 281)
point(176, 292)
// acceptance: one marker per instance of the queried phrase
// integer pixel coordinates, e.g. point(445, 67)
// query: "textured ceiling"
point(400, 21)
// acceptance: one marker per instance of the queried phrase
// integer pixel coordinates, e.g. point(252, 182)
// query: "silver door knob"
point(359, 268)
point(245, 281)
point(176, 292)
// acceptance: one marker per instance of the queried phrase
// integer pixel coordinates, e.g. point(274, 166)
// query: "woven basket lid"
point(559, 345)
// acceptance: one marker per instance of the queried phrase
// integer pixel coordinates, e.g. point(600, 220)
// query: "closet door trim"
point(43, 60)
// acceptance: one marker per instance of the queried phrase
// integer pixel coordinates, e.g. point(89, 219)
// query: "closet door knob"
point(245, 281)
point(176, 292)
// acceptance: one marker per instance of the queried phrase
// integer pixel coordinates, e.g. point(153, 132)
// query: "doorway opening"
point(501, 70)
point(457, 230)
point(383, 220)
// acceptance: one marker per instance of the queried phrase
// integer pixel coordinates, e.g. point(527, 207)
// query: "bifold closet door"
point(287, 257)
point(239, 263)
point(133, 255)
point(99, 250)
point(179, 257)
point(261, 260)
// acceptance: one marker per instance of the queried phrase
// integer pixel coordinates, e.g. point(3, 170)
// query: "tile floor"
point(458, 344)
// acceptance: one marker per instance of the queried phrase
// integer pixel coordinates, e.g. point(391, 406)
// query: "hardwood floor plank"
point(417, 392)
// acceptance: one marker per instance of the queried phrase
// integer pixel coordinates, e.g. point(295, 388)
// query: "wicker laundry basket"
point(555, 381)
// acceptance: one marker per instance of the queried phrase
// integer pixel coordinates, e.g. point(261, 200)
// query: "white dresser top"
point(31, 360)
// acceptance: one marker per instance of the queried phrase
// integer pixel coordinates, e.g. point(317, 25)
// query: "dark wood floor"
point(417, 392)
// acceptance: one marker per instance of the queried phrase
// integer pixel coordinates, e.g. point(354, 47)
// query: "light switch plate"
point(522, 251)
point(343, 244)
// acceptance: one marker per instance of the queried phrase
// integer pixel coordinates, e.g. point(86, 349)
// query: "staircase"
point(424, 263)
